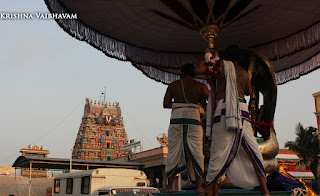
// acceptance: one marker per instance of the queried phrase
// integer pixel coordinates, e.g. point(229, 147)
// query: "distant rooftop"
point(301, 174)
point(60, 163)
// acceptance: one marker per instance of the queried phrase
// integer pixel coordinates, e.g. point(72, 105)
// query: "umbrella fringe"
point(153, 63)
point(295, 72)
point(291, 44)
point(162, 76)
point(120, 50)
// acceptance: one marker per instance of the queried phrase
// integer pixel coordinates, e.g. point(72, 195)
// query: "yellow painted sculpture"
point(163, 140)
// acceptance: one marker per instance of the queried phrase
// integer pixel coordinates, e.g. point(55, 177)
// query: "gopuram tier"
point(101, 135)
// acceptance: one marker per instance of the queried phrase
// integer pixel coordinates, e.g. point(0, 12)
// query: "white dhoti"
point(185, 141)
point(228, 155)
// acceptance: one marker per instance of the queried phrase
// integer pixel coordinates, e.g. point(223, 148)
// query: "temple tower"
point(101, 135)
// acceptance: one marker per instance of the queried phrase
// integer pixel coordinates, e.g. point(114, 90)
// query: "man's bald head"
point(187, 70)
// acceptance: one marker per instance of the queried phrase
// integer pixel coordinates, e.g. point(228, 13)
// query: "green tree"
point(306, 145)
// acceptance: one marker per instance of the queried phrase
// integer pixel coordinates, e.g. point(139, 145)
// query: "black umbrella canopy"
point(158, 36)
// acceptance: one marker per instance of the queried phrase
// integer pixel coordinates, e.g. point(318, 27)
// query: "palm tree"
point(306, 145)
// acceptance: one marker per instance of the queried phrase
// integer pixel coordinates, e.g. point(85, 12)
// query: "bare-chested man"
point(187, 98)
point(234, 149)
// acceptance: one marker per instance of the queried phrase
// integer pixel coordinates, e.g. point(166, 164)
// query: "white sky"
point(45, 76)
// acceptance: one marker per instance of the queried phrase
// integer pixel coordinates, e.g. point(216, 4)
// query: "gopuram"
point(101, 135)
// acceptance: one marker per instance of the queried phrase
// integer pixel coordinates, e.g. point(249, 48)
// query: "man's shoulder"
point(200, 84)
point(239, 67)
point(241, 70)
point(174, 83)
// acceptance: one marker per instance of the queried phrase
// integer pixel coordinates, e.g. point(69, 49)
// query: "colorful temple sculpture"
point(101, 135)
point(163, 140)
point(34, 151)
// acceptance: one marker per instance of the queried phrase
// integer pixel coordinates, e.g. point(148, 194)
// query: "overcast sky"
point(45, 76)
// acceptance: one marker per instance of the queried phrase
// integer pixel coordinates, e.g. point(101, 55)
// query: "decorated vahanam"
point(101, 135)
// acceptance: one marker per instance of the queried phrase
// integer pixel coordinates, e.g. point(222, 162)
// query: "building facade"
point(290, 164)
point(34, 151)
point(317, 112)
point(101, 135)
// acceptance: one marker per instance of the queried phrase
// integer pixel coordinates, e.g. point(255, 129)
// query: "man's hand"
point(201, 68)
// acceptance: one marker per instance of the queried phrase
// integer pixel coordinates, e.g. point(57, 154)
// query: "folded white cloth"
point(209, 114)
point(233, 114)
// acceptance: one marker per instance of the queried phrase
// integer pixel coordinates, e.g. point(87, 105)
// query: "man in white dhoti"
point(234, 150)
point(186, 97)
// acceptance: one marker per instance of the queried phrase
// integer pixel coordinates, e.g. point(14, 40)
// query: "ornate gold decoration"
point(163, 140)
point(269, 148)
point(252, 109)
point(209, 32)
point(251, 66)
point(270, 165)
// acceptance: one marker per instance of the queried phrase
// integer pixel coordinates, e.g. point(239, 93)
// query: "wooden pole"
point(30, 178)
point(70, 162)
point(15, 179)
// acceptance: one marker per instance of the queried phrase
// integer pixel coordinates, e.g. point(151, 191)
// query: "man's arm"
point(201, 68)
point(204, 96)
point(167, 101)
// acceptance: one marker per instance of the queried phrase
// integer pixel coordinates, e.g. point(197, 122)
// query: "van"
point(90, 182)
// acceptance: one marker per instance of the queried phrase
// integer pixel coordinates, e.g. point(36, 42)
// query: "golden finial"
point(91, 102)
point(109, 104)
point(98, 102)
point(95, 102)
point(113, 105)
point(209, 32)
